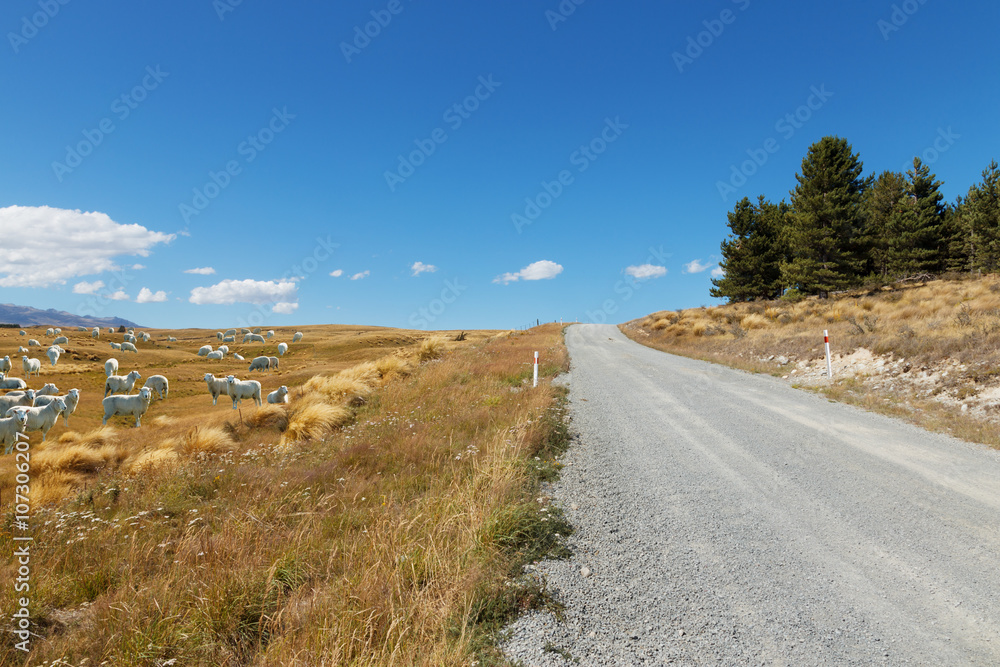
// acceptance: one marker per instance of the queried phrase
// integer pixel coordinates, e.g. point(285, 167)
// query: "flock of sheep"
point(23, 410)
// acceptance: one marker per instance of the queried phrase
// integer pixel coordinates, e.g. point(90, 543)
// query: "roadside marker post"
point(829, 366)
point(536, 371)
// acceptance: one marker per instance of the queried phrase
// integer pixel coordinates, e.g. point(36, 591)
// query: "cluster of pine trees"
point(843, 229)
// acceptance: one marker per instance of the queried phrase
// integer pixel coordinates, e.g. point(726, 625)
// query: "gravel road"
point(726, 518)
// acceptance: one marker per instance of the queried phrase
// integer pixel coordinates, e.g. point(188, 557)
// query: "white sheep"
point(53, 354)
point(240, 389)
point(259, 364)
point(216, 386)
point(22, 349)
point(129, 338)
point(128, 405)
point(244, 331)
point(253, 338)
point(270, 334)
point(10, 427)
point(230, 332)
point(48, 390)
point(43, 418)
point(116, 346)
point(278, 396)
point(110, 367)
point(60, 340)
point(111, 330)
point(229, 339)
point(145, 337)
point(272, 363)
point(13, 383)
point(30, 366)
point(224, 349)
point(297, 337)
point(50, 332)
point(204, 349)
point(81, 328)
point(171, 339)
point(218, 354)
point(219, 335)
point(256, 330)
point(71, 399)
point(159, 384)
point(117, 384)
point(238, 357)
point(282, 348)
point(5, 366)
point(95, 332)
point(33, 343)
point(57, 330)
point(15, 399)
point(129, 347)
point(23, 332)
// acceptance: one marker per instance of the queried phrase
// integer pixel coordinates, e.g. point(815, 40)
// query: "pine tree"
point(752, 254)
point(883, 206)
point(982, 216)
point(916, 242)
point(824, 230)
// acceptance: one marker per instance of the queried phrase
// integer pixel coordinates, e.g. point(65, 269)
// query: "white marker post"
point(829, 366)
point(536, 371)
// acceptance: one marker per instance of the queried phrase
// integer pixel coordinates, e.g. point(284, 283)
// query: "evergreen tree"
point(982, 218)
point(752, 254)
point(916, 241)
point(955, 237)
point(824, 229)
point(883, 207)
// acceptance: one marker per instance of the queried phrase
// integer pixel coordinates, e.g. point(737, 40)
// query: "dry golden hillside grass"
point(935, 326)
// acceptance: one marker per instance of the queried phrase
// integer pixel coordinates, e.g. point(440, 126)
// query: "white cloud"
point(146, 295)
point(44, 245)
point(138, 267)
point(285, 308)
point(359, 276)
point(203, 271)
point(646, 271)
point(696, 266)
point(420, 267)
point(120, 295)
point(337, 273)
point(717, 272)
point(246, 291)
point(542, 270)
point(88, 288)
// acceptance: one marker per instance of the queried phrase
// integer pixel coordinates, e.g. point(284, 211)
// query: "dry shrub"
point(699, 328)
point(268, 415)
point(210, 439)
point(333, 388)
point(393, 365)
point(76, 459)
point(314, 421)
point(432, 348)
point(753, 321)
point(660, 324)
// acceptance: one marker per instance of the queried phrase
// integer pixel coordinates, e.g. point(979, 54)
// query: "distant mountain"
point(26, 316)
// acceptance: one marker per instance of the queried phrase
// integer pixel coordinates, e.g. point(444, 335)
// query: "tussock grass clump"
point(315, 421)
point(753, 321)
point(432, 348)
point(208, 440)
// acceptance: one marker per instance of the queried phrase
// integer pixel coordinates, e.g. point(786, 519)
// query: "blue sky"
point(462, 165)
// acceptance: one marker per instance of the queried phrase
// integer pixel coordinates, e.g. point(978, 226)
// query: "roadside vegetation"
point(382, 517)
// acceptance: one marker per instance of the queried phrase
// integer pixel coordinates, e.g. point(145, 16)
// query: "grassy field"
point(382, 517)
point(928, 352)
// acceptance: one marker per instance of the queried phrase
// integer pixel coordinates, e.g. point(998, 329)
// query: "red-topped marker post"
point(829, 366)
point(536, 371)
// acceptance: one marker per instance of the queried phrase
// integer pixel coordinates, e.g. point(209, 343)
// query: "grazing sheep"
point(159, 384)
point(71, 399)
point(33, 343)
point(110, 367)
point(13, 383)
point(282, 348)
point(117, 384)
point(129, 347)
point(297, 337)
point(5, 366)
point(259, 364)
point(23, 332)
point(13, 400)
point(240, 389)
point(256, 330)
point(272, 363)
point(60, 340)
point(81, 328)
point(278, 396)
point(229, 339)
point(116, 346)
point(218, 354)
point(22, 349)
point(238, 357)
point(204, 349)
point(57, 330)
point(145, 337)
point(219, 335)
point(43, 418)
point(171, 339)
point(224, 349)
point(53, 354)
point(30, 366)
point(270, 334)
point(128, 405)
point(230, 332)
point(10, 427)
point(50, 332)
point(48, 390)
point(129, 338)
point(96, 332)
point(216, 386)
point(253, 338)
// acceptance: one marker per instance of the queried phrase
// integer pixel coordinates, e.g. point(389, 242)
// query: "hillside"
point(926, 351)
point(27, 316)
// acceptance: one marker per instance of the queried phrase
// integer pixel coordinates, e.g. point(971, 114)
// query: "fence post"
point(536, 371)
point(829, 366)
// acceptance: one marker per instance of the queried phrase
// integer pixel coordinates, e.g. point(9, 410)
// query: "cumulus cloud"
point(147, 295)
point(138, 267)
point(646, 271)
point(420, 267)
point(696, 266)
point(84, 287)
point(43, 246)
point(120, 295)
point(359, 276)
point(542, 270)
point(717, 272)
point(284, 308)
point(337, 273)
point(203, 271)
point(246, 291)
